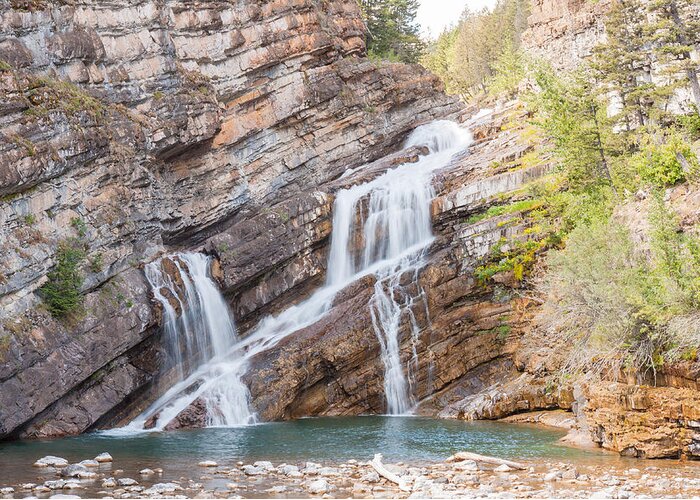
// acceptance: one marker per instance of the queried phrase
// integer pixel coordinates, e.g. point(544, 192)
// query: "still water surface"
point(325, 440)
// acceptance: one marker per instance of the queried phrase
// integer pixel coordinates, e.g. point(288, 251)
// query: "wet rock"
point(7, 490)
point(554, 475)
point(73, 484)
point(27, 486)
point(290, 470)
point(328, 472)
point(264, 465)
point(571, 473)
point(252, 470)
point(466, 465)
point(318, 487)
point(502, 468)
point(62, 496)
point(73, 470)
point(89, 463)
point(147, 472)
point(109, 482)
point(277, 489)
point(127, 481)
point(103, 457)
point(160, 488)
point(208, 463)
point(370, 477)
point(51, 461)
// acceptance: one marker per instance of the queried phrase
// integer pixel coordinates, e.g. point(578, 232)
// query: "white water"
point(381, 227)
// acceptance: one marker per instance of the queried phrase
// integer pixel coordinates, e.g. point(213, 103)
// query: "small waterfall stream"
point(381, 227)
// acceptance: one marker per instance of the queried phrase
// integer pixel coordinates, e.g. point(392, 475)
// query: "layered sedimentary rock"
point(464, 329)
point(138, 128)
point(564, 32)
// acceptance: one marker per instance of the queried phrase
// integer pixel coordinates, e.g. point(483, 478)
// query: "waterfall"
point(203, 328)
point(382, 227)
point(389, 220)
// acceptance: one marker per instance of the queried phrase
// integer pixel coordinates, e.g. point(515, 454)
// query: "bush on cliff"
point(61, 292)
point(622, 306)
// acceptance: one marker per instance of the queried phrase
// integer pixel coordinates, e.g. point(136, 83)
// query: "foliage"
point(568, 111)
point(497, 210)
point(45, 95)
point(674, 33)
point(481, 53)
point(666, 163)
point(393, 32)
point(690, 123)
point(61, 292)
point(509, 70)
point(616, 307)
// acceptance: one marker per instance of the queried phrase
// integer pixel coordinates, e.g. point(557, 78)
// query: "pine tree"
point(675, 32)
point(572, 116)
point(393, 32)
point(623, 63)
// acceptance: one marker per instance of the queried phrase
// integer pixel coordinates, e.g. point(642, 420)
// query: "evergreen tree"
point(393, 32)
point(481, 50)
point(572, 116)
point(623, 64)
point(674, 33)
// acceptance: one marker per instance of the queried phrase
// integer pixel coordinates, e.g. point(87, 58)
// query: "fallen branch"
point(385, 473)
point(465, 455)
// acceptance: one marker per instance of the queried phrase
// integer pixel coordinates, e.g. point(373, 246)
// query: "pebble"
point(73, 470)
point(319, 486)
point(502, 468)
point(265, 465)
point(160, 488)
point(55, 485)
point(72, 484)
point(277, 489)
point(90, 463)
point(147, 472)
point(467, 465)
point(554, 475)
point(60, 495)
point(127, 481)
point(289, 470)
point(207, 463)
point(251, 470)
point(51, 461)
point(370, 477)
point(27, 486)
point(7, 491)
point(110, 482)
point(103, 457)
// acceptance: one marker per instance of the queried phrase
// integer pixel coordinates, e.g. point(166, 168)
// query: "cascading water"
point(388, 219)
point(204, 329)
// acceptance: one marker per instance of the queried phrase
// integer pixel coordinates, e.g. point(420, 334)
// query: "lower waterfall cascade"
point(394, 229)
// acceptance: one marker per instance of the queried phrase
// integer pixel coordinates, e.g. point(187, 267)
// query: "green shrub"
point(665, 164)
point(61, 292)
point(616, 306)
point(79, 226)
point(690, 123)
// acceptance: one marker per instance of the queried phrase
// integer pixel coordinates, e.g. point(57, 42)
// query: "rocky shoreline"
point(600, 476)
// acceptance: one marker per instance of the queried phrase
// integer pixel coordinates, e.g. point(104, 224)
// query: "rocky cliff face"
point(138, 128)
point(564, 32)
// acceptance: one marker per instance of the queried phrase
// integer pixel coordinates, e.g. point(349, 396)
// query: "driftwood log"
point(377, 464)
point(465, 455)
